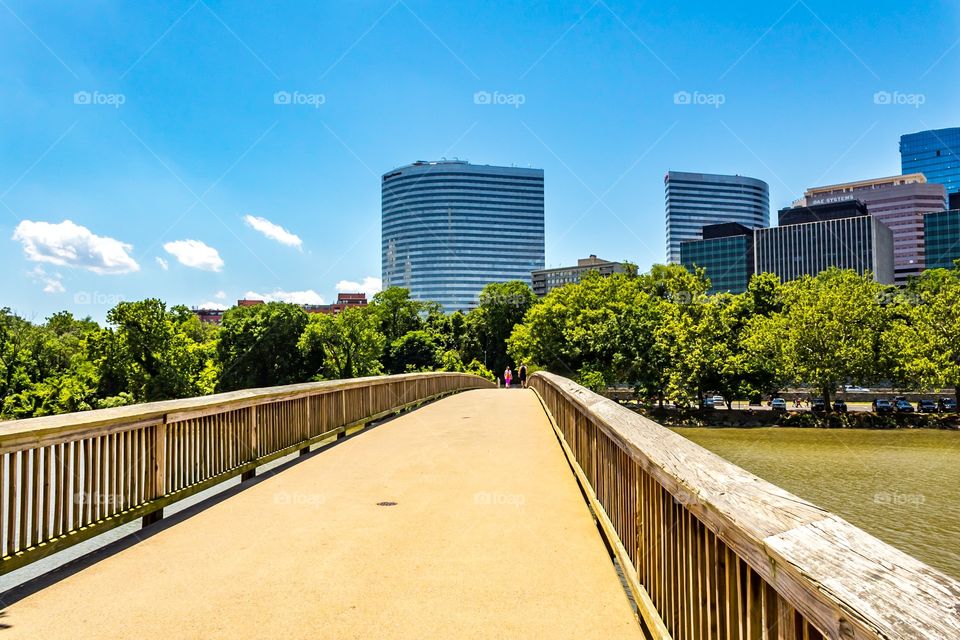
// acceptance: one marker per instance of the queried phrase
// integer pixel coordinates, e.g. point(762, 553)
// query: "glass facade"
point(449, 228)
point(694, 200)
point(942, 236)
point(935, 154)
point(728, 262)
point(863, 244)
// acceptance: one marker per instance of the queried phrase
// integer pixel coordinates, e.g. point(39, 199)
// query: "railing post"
point(158, 457)
point(252, 444)
point(308, 428)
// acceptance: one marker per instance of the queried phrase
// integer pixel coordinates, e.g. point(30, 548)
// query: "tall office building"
point(694, 200)
point(935, 154)
point(725, 254)
point(814, 239)
point(942, 238)
point(450, 227)
point(897, 201)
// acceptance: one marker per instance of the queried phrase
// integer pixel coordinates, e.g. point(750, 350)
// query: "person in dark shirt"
point(522, 373)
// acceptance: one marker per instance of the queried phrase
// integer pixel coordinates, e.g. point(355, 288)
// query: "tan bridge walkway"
point(489, 537)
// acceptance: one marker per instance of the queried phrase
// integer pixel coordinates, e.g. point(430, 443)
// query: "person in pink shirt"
point(507, 376)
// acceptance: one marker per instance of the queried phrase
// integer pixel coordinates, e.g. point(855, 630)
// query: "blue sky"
point(154, 129)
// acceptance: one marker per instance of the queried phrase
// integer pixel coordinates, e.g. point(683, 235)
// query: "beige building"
point(897, 201)
point(544, 280)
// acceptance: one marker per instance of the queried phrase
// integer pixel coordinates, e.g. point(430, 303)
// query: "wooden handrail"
point(721, 553)
point(69, 477)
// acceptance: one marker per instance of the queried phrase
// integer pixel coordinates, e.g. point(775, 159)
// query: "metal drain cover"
point(386, 503)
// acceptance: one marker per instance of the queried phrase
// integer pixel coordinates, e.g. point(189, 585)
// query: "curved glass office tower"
point(450, 227)
point(694, 200)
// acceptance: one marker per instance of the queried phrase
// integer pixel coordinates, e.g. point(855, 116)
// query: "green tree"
point(922, 341)
point(162, 359)
point(602, 326)
point(346, 345)
point(258, 346)
point(397, 313)
point(828, 331)
point(747, 372)
point(502, 306)
point(14, 351)
point(415, 351)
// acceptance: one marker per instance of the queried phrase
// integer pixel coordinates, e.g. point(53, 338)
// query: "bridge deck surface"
point(490, 537)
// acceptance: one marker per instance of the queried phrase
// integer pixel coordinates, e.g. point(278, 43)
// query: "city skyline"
point(205, 149)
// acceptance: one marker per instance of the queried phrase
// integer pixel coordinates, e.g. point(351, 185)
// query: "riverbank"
point(748, 418)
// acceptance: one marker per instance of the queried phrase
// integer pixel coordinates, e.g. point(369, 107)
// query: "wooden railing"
point(711, 551)
point(70, 477)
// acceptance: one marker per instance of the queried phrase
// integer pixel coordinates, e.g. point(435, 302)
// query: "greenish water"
point(901, 486)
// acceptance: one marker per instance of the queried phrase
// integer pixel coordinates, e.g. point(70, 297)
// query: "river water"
point(901, 486)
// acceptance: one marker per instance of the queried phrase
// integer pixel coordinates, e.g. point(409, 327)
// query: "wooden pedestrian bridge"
point(426, 506)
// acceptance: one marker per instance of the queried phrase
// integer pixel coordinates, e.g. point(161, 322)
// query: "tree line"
point(659, 332)
point(147, 351)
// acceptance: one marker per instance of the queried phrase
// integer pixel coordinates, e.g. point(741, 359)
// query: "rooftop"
point(872, 183)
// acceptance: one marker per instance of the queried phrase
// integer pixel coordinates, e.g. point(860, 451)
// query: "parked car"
point(778, 404)
point(902, 406)
point(718, 401)
point(818, 405)
point(852, 388)
point(839, 406)
point(708, 403)
point(927, 406)
point(947, 405)
point(882, 405)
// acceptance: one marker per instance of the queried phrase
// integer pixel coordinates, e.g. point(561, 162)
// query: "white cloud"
point(220, 295)
point(70, 245)
point(213, 305)
point(195, 254)
point(52, 283)
point(273, 231)
point(369, 286)
point(163, 263)
point(296, 297)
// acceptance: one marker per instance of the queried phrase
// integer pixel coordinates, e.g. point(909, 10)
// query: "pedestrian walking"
point(523, 375)
point(507, 376)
